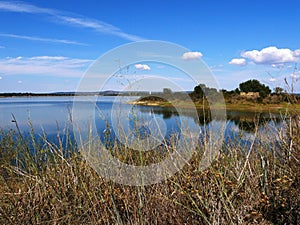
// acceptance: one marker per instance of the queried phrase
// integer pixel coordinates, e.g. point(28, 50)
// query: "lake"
point(51, 115)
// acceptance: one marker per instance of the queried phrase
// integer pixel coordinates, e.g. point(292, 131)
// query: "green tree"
point(255, 86)
point(167, 91)
point(278, 90)
point(199, 90)
point(237, 91)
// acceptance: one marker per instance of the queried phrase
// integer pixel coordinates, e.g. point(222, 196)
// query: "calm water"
point(52, 114)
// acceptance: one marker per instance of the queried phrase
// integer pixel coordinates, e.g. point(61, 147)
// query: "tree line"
point(264, 91)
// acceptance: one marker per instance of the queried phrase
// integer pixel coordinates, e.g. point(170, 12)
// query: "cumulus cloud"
point(272, 55)
point(142, 67)
point(191, 55)
point(238, 62)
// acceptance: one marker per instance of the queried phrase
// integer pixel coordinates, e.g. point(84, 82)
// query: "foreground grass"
point(245, 185)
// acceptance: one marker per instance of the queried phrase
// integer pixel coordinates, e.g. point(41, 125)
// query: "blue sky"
point(45, 46)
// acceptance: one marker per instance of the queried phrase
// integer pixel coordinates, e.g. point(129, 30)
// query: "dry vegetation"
point(257, 185)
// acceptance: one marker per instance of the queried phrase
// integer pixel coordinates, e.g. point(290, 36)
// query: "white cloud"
point(191, 55)
point(23, 8)
point(238, 62)
point(0, 78)
point(20, 82)
point(278, 66)
point(45, 57)
point(272, 79)
point(272, 55)
point(99, 26)
point(294, 75)
point(217, 68)
point(57, 66)
point(62, 17)
point(31, 38)
point(142, 67)
point(297, 53)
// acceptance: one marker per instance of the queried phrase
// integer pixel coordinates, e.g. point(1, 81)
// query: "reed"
point(47, 183)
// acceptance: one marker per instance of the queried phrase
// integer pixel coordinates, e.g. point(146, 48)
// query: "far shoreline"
point(245, 107)
point(242, 106)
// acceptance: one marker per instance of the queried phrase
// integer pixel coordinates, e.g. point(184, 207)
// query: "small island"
point(250, 96)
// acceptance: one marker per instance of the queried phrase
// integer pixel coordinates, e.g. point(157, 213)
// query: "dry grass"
point(258, 185)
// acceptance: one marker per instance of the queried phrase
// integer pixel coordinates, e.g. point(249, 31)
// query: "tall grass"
point(55, 185)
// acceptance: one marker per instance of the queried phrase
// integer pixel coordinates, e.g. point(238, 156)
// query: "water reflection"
point(249, 121)
point(246, 121)
point(50, 114)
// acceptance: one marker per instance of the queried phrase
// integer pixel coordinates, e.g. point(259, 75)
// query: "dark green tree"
point(167, 91)
point(199, 91)
point(237, 91)
point(278, 90)
point(255, 86)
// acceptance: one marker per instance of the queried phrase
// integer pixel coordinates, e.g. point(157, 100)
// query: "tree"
point(167, 91)
point(255, 86)
point(278, 90)
point(263, 93)
point(237, 91)
point(199, 90)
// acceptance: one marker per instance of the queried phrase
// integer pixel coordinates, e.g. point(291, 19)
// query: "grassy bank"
point(238, 106)
point(244, 185)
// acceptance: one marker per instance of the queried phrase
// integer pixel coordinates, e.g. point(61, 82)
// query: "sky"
point(47, 46)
